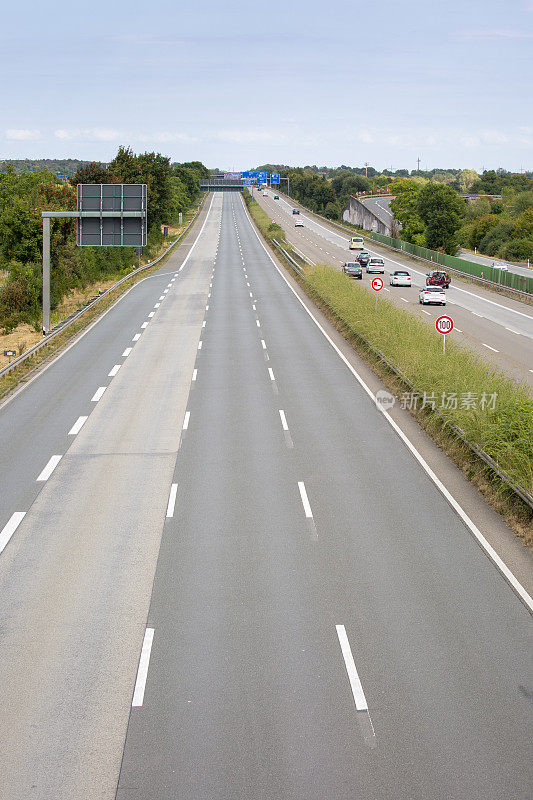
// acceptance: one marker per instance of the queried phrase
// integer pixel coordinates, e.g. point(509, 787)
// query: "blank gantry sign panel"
point(115, 226)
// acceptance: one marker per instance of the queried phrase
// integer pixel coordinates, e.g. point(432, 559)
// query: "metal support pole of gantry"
point(46, 275)
point(47, 216)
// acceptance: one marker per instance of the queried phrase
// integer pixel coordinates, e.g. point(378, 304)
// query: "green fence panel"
point(510, 279)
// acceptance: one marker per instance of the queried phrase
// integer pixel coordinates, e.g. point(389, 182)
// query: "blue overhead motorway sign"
point(274, 178)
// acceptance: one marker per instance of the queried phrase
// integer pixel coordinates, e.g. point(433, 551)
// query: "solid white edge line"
point(355, 681)
point(172, 500)
point(283, 420)
point(142, 671)
point(98, 394)
point(78, 425)
point(186, 420)
point(49, 468)
point(490, 348)
point(9, 529)
point(488, 549)
point(199, 234)
point(113, 371)
point(305, 500)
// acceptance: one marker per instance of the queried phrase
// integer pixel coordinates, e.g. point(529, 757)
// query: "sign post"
point(444, 325)
point(377, 285)
point(10, 354)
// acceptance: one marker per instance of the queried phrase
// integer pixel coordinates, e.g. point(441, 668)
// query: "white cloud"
point(111, 135)
point(494, 137)
point(23, 135)
point(93, 134)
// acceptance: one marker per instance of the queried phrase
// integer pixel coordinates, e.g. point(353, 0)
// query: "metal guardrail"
point(66, 323)
point(294, 265)
point(450, 426)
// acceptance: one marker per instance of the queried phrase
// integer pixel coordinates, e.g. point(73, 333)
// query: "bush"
point(496, 238)
point(517, 250)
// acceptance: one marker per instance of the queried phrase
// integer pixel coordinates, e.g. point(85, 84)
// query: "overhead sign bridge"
point(222, 185)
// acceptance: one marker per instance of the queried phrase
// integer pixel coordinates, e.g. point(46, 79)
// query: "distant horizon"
point(289, 166)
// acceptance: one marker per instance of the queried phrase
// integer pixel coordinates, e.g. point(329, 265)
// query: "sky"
point(238, 84)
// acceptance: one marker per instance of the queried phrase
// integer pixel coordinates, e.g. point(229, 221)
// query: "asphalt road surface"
point(320, 622)
point(497, 328)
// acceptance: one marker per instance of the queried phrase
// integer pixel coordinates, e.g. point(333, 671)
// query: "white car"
point(265, 194)
point(502, 267)
point(432, 294)
point(299, 223)
point(400, 277)
point(376, 265)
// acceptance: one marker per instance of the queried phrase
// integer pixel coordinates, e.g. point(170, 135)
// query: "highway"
point(240, 579)
point(499, 329)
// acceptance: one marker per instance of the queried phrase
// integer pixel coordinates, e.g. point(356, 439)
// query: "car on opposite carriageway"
point(353, 269)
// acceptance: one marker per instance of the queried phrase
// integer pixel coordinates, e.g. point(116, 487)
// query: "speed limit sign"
point(444, 325)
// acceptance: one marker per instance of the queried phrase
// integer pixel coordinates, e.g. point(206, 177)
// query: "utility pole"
point(418, 162)
point(366, 169)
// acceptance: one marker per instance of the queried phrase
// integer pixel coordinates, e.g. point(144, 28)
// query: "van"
point(357, 243)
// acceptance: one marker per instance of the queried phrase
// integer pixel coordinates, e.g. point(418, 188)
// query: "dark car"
point(363, 259)
point(362, 255)
point(353, 269)
point(276, 197)
point(438, 277)
point(295, 210)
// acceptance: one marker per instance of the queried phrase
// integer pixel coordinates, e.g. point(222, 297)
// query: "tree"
point(466, 179)
point(405, 210)
point(95, 172)
point(523, 228)
point(442, 212)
